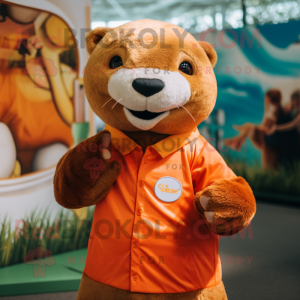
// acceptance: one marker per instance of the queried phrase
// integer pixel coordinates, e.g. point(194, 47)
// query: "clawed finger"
point(105, 141)
point(204, 201)
point(209, 215)
point(106, 154)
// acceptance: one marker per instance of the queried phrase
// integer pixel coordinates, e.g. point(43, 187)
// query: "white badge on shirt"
point(168, 189)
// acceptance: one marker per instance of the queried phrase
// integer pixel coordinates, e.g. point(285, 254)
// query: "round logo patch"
point(168, 189)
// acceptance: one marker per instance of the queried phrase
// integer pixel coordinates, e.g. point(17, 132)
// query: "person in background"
point(288, 131)
point(294, 112)
point(267, 144)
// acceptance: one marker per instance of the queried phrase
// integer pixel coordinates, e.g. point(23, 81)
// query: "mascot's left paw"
point(228, 206)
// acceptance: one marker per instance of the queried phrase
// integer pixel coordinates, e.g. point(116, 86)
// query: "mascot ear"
point(210, 52)
point(94, 37)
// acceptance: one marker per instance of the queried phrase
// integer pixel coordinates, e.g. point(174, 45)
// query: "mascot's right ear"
point(94, 37)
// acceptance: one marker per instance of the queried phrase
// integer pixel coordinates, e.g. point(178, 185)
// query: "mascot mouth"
point(144, 120)
point(146, 114)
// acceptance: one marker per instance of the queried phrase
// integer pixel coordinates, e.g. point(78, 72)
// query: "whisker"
point(117, 102)
point(109, 100)
point(106, 102)
point(186, 110)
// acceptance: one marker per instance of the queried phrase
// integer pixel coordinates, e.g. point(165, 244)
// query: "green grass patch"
point(282, 182)
point(65, 233)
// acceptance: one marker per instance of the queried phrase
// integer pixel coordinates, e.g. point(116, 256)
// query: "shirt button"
point(139, 212)
point(141, 184)
point(135, 277)
point(135, 245)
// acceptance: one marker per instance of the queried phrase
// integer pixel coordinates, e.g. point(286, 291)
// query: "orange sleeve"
point(209, 167)
point(231, 198)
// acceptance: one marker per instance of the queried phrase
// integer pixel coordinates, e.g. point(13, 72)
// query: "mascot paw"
point(90, 170)
point(97, 166)
point(228, 206)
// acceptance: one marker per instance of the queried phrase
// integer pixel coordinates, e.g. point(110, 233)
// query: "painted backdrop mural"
point(37, 73)
point(256, 122)
point(42, 115)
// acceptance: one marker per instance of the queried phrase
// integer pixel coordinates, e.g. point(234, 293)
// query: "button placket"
point(139, 212)
point(135, 253)
point(141, 184)
point(135, 277)
point(148, 155)
point(146, 159)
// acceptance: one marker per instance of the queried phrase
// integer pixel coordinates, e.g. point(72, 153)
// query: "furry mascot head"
point(161, 77)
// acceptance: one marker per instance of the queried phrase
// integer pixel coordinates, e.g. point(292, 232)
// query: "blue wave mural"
point(252, 60)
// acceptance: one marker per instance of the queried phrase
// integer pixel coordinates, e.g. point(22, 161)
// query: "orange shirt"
point(146, 236)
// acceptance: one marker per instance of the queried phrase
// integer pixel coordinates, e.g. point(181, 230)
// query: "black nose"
point(148, 87)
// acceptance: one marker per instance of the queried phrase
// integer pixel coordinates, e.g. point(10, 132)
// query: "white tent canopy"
point(196, 15)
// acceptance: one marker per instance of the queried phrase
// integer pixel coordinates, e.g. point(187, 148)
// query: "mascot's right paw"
point(84, 175)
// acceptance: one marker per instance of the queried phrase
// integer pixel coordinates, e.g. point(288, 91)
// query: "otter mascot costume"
point(163, 195)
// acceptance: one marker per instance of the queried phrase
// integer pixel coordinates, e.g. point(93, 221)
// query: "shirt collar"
point(165, 147)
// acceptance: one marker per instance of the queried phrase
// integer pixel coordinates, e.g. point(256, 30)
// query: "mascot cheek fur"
point(163, 195)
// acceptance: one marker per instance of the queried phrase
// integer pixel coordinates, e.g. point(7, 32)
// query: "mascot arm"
point(224, 200)
point(227, 205)
point(85, 175)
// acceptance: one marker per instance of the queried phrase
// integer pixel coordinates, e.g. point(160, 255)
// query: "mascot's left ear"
point(210, 52)
point(94, 37)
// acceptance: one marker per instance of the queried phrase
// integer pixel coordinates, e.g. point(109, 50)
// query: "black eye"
point(186, 68)
point(116, 62)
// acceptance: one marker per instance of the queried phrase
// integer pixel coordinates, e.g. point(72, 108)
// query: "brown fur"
point(230, 200)
point(92, 290)
point(73, 186)
point(145, 138)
